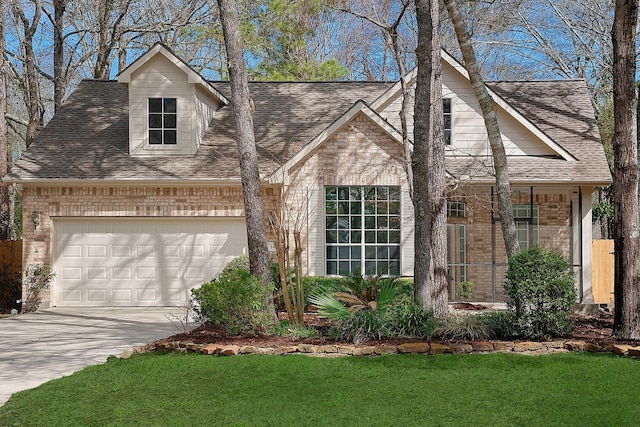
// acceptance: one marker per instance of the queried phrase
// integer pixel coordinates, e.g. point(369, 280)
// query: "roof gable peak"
point(193, 77)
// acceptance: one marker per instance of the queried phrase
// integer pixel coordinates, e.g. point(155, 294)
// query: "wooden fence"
point(603, 265)
point(11, 255)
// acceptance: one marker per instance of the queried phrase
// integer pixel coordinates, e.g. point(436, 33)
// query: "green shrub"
point(541, 291)
point(405, 318)
point(361, 326)
point(464, 290)
point(463, 327)
point(502, 324)
point(234, 300)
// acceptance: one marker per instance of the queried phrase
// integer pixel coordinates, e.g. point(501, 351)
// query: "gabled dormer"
point(170, 104)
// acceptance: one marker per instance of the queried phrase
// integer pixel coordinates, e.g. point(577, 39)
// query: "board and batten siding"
point(469, 134)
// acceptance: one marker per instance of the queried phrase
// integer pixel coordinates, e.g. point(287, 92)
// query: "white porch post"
point(587, 286)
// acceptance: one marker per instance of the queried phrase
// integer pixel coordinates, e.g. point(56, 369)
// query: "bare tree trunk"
point(430, 205)
point(249, 173)
point(33, 100)
point(503, 187)
point(59, 85)
point(5, 206)
point(625, 171)
point(108, 34)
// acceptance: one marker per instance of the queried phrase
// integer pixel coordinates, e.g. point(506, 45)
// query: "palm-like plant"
point(367, 292)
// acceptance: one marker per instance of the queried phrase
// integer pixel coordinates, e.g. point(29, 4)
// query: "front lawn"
point(197, 390)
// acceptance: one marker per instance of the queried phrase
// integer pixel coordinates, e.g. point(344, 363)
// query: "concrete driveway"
point(41, 346)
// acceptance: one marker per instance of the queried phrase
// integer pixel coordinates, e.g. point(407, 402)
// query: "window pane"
point(394, 237)
point(370, 193)
point(369, 208)
point(356, 236)
point(394, 193)
point(355, 193)
point(382, 236)
point(331, 193)
point(370, 252)
point(332, 207)
point(370, 267)
point(343, 222)
point(155, 137)
point(394, 268)
point(343, 268)
point(394, 208)
point(355, 267)
point(383, 252)
point(155, 121)
point(170, 105)
point(394, 223)
point(170, 137)
point(343, 193)
point(382, 193)
point(446, 105)
point(332, 252)
point(343, 236)
point(343, 207)
point(332, 222)
point(356, 223)
point(356, 252)
point(332, 267)
point(344, 252)
point(383, 222)
point(394, 252)
point(369, 236)
point(155, 105)
point(356, 208)
point(332, 236)
point(383, 208)
point(170, 121)
point(370, 222)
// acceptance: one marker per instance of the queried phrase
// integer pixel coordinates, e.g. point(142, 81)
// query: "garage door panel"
point(125, 261)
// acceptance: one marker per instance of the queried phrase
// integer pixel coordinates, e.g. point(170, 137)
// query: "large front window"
point(362, 230)
point(163, 121)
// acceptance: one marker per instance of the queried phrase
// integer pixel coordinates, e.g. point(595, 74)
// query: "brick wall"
point(133, 201)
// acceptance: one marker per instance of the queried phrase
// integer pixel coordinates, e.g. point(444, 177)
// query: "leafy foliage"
point(502, 324)
point(464, 290)
point(38, 278)
point(463, 327)
point(234, 300)
point(373, 307)
point(541, 291)
point(357, 293)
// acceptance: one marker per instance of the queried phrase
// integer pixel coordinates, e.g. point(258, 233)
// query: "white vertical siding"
point(407, 233)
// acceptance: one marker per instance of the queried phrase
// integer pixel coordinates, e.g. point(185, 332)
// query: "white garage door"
point(140, 262)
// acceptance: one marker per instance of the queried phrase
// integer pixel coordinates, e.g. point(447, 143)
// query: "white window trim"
point(363, 243)
point(163, 146)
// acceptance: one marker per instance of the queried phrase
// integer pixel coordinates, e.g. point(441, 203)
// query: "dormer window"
point(163, 121)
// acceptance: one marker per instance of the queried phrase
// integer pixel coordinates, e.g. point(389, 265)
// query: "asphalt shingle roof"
point(88, 138)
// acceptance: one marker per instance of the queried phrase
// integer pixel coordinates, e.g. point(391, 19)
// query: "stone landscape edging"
point(417, 347)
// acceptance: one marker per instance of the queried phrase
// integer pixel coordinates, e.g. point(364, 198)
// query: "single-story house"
point(132, 191)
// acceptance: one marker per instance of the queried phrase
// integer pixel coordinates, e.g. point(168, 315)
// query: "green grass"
point(405, 390)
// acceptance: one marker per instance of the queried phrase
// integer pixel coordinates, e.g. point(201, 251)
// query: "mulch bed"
point(592, 329)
